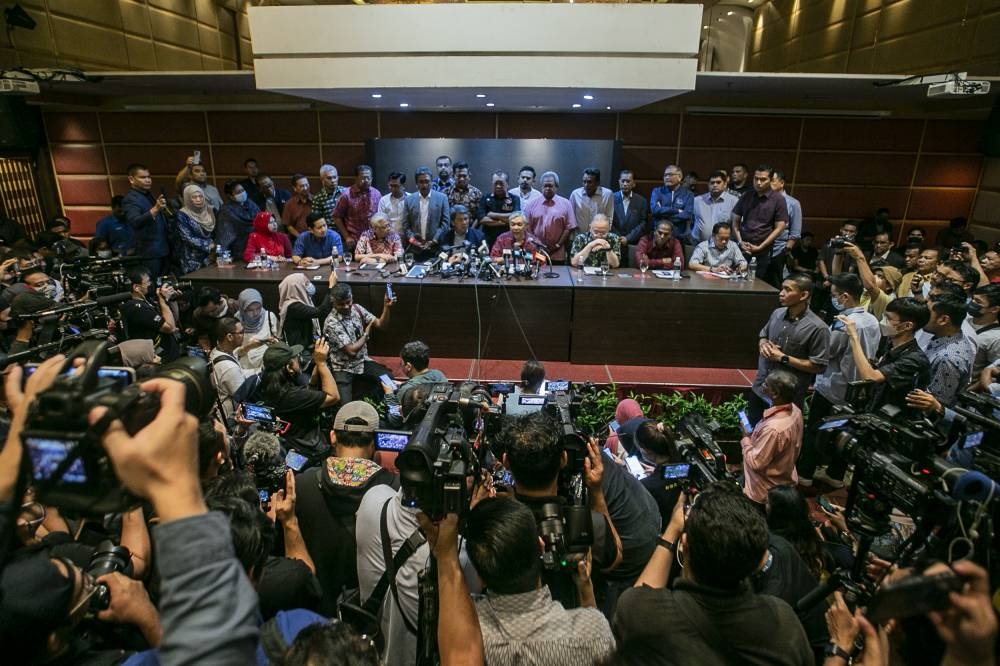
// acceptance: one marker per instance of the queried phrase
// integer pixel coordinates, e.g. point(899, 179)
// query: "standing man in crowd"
point(793, 338)
point(551, 218)
point(674, 203)
point(144, 321)
point(115, 228)
point(249, 183)
point(356, 207)
point(918, 283)
point(496, 208)
point(983, 310)
point(196, 173)
point(526, 186)
point(739, 180)
point(830, 391)
point(950, 352)
point(347, 329)
point(297, 208)
point(759, 217)
point(269, 197)
point(789, 238)
point(591, 199)
point(631, 212)
point(330, 191)
point(444, 181)
point(393, 204)
point(769, 452)
point(713, 207)
point(145, 214)
point(883, 254)
point(463, 192)
point(427, 212)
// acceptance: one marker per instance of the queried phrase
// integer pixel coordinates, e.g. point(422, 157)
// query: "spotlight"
point(588, 97)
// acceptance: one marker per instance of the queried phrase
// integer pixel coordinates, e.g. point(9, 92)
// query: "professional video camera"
point(100, 277)
point(705, 461)
point(69, 466)
point(977, 429)
point(440, 463)
point(177, 285)
point(72, 318)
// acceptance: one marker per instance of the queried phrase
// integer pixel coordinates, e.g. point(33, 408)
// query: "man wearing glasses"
point(674, 203)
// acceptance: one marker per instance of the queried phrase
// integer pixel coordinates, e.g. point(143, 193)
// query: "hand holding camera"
point(130, 604)
point(321, 350)
point(160, 462)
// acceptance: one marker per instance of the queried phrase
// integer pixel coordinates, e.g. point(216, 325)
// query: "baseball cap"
point(891, 274)
point(279, 354)
point(358, 409)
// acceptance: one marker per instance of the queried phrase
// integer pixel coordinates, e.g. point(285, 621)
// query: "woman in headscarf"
point(235, 219)
point(620, 442)
point(192, 233)
point(266, 237)
point(138, 352)
point(298, 318)
point(258, 325)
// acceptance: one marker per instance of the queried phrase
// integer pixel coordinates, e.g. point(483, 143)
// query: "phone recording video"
point(391, 440)
point(258, 413)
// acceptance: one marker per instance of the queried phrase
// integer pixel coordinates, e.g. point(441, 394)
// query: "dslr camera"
point(108, 558)
point(70, 468)
point(838, 242)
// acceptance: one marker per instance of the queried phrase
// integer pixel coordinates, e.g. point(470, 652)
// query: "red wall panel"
point(72, 127)
point(817, 168)
point(705, 161)
point(84, 190)
point(929, 204)
point(952, 136)
point(85, 219)
point(556, 126)
point(749, 132)
point(434, 125)
point(850, 202)
point(159, 159)
point(263, 127)
point(72, 159)
point(948, 170)
point(649, 129)
point(154, 127)
point(852, 134)
point(347, 126)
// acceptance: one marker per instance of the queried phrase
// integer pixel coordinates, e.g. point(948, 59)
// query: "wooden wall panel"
point(924, 171)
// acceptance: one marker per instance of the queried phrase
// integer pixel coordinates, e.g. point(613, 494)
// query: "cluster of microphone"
point(466, 260)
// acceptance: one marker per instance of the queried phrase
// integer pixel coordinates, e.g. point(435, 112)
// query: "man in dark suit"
point(631, 213)
point(427, 212)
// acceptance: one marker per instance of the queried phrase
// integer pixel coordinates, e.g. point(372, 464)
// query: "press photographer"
point(145, 320)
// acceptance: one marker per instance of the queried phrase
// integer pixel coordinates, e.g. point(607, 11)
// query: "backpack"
point(246, 390)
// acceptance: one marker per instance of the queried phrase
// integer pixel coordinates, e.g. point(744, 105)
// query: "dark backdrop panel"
point(566, 157)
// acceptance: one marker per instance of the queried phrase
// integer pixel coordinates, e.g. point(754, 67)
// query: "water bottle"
point(677, 269)
point(262, 259)
point(752, 269)
point(335, 258)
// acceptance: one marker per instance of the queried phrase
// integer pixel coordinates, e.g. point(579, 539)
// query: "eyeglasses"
point(32, 515)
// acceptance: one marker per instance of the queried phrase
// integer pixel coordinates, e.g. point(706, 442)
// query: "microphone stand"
point(549, 273)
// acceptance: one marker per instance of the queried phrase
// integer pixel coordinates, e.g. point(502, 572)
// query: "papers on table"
point(665, 275)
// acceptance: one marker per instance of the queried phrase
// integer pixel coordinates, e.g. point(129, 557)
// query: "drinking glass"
point(643, 266)
point(347, 262)
point(604, 269)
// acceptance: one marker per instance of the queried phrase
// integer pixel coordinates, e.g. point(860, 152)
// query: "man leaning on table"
point(718, 254)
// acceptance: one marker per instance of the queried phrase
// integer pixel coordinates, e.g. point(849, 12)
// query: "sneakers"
point(821, 475)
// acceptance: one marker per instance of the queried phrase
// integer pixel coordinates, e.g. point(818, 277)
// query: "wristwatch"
point(784, 359)
point(834, 650)
point(663, 543)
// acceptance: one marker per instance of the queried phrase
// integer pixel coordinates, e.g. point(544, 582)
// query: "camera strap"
point(392, 565)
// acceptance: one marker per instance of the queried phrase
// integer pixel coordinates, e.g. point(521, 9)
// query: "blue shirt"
point(306, 245)
point(794, 229)
point(677, 207)
point(117, 232)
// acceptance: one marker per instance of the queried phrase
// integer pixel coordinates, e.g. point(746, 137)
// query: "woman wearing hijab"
point(620, 443)
point(266, 237)
point(259, 325)
point(298, 318)
point(235, 219)
point(138, 352)
point(192, 233)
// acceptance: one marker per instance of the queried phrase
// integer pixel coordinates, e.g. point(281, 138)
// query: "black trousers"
point(367, 382)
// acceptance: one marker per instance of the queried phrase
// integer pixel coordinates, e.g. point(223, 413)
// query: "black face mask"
point(298, 378)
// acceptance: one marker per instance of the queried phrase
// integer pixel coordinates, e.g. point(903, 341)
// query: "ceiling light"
point(404, 104)
point(704, 27)
point(377, 95)
point(577, 106)
point(588, 97)
point(608, 108)
point(490, 104)
point(729, 13)
point(480, 95)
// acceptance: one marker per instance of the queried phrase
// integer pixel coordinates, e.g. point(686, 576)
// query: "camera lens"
point(193, 373)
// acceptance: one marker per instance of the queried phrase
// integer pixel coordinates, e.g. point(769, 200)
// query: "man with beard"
point(444, 181)
point(462, 193)
point(660, 249)
point(718, 255)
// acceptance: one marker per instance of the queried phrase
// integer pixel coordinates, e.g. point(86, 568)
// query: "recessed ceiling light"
point(719, 19)
point(608, 108)
point(704, 27)
point(577, 106)
point(377, 95)
point(729, 13)
point(588, 97)
point(404, 104)
point(480, 95)
point(490, 104)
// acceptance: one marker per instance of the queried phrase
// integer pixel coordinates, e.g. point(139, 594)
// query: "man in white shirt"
point(591, 199)
point(713, 207)
point(227, 373)
point(786, 241)
point(393, 204)
point(526, 186)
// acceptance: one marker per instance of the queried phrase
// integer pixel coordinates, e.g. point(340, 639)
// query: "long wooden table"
point(625, 319)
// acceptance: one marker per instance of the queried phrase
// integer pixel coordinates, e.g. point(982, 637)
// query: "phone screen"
point(46, 456)
point(825, 503)
point(676, 472)
point(830, 425)
point(744, 421)
point(635, 468)
point(614, 426)
point(973, 439)
point(387, 382)
point(388, 291)
point(296, 460)
point(122, 376)
point(390, 440)
point(264, 495)
point(257, 413)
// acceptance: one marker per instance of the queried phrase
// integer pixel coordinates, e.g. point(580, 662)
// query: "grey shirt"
point(709, 211)
point(841, 369)
point(805, 337)
point(707, 254)
point(208, 609)
point(531, 629)
point(988, 348)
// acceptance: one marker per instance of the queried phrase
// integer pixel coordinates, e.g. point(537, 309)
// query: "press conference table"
point(624, 319)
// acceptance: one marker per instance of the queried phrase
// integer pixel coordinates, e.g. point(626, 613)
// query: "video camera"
point(697, 448)
point(100, 277)
point(979, 430)
point(70, 468)
point(440, 465)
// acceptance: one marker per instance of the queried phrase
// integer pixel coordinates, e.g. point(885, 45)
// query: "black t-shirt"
point(806, 257)
point(143, 322)
point(491, 204)
point(300, 406)
point(664, 492)
point(634, 515)
point(905, 368)
point(298, 328)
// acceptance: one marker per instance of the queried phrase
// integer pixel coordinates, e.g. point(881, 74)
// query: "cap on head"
point(280, 354)
point(359, 409)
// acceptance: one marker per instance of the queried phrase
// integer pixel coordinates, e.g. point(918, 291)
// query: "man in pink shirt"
point(550, 217)
point(355, 209)
point(769, 453)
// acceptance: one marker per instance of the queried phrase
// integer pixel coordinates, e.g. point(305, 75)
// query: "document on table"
point(665, 275)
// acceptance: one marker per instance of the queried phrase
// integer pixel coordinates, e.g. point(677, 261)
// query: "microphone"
point(507, 268)
point(80, 305)
point(167, 210)
point(549, 273)
point(537, 258)
point(484, 248)
point(442, 257)
point(488, 262)
point(974, 485)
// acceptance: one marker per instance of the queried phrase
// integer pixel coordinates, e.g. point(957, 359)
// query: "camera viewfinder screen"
point(531, 400)
point(830, 425)
point(679, 471)
point(46, 456)
point(391, 441)
point(557, 385)
point(257, 412)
